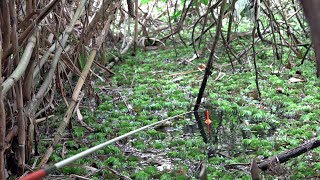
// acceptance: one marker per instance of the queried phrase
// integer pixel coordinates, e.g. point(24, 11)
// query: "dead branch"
point(28, 32)
point(2, 128)
point(76, 92)
point(285, 156)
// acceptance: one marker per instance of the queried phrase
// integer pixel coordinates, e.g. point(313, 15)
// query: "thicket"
point(51, 52)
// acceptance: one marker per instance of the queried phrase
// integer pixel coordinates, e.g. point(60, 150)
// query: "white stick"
point(97, 147)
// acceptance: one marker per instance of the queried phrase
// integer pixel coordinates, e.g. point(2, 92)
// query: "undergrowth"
point(156, 85)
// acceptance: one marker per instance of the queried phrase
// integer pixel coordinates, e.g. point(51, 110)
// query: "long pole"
point(41, 173)
point(207, 73)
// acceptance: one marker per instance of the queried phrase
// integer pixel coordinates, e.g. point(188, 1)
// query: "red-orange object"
point(37, 175)
point(208, 121)
point(40, 174)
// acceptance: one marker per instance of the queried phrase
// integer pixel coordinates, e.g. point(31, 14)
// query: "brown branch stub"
point(131, 8)
point(283, 157)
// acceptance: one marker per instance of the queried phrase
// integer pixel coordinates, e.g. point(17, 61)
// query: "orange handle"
point(208, 121)
point(37, 175)
point(207, 114)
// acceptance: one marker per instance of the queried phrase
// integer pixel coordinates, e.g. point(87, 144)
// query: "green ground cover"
point(156, 85)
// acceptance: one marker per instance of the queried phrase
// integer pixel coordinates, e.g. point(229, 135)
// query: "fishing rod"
point(207, 73)
point(41, 173)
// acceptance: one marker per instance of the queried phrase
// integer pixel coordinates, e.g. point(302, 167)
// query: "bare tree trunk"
point(135, 43)
point(103, 54)
point(205, 16)
point(2, 119)
point(34, 104)
point(6, 22)
point(28, 81)
point(231, 16)
point(6, 28)
point(21, 128)
point(18, 92)
point(97, 16)
point(29, 7)
point(2, 134)
point(311, 8)
point(76, 92)
point(28, 32)
point(20, 69)
point(171, 30)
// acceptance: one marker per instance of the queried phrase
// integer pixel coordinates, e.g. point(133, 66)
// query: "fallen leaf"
point(201, 67)
point(177, 79)
point(193, 58)
point(295, 80)
point(80, 117)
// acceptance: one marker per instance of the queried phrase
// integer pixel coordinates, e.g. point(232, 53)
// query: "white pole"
point(97, 147)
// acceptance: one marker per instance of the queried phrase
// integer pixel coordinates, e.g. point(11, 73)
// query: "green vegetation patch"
point(156, 85)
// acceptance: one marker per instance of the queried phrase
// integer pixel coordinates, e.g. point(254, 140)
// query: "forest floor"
point(159, 84)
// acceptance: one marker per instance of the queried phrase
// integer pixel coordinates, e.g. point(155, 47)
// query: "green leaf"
point(151, 170)
point(205, 2)
point(112, 161)
point(166, 177)
point(82, 61)
point(176, 15)
point(145, 1)
point(141, 175)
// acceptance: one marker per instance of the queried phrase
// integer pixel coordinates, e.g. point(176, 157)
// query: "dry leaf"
point(177, 79)
point(295, 80)
point(201, 67)
point(193, 58)
point(80, 117)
